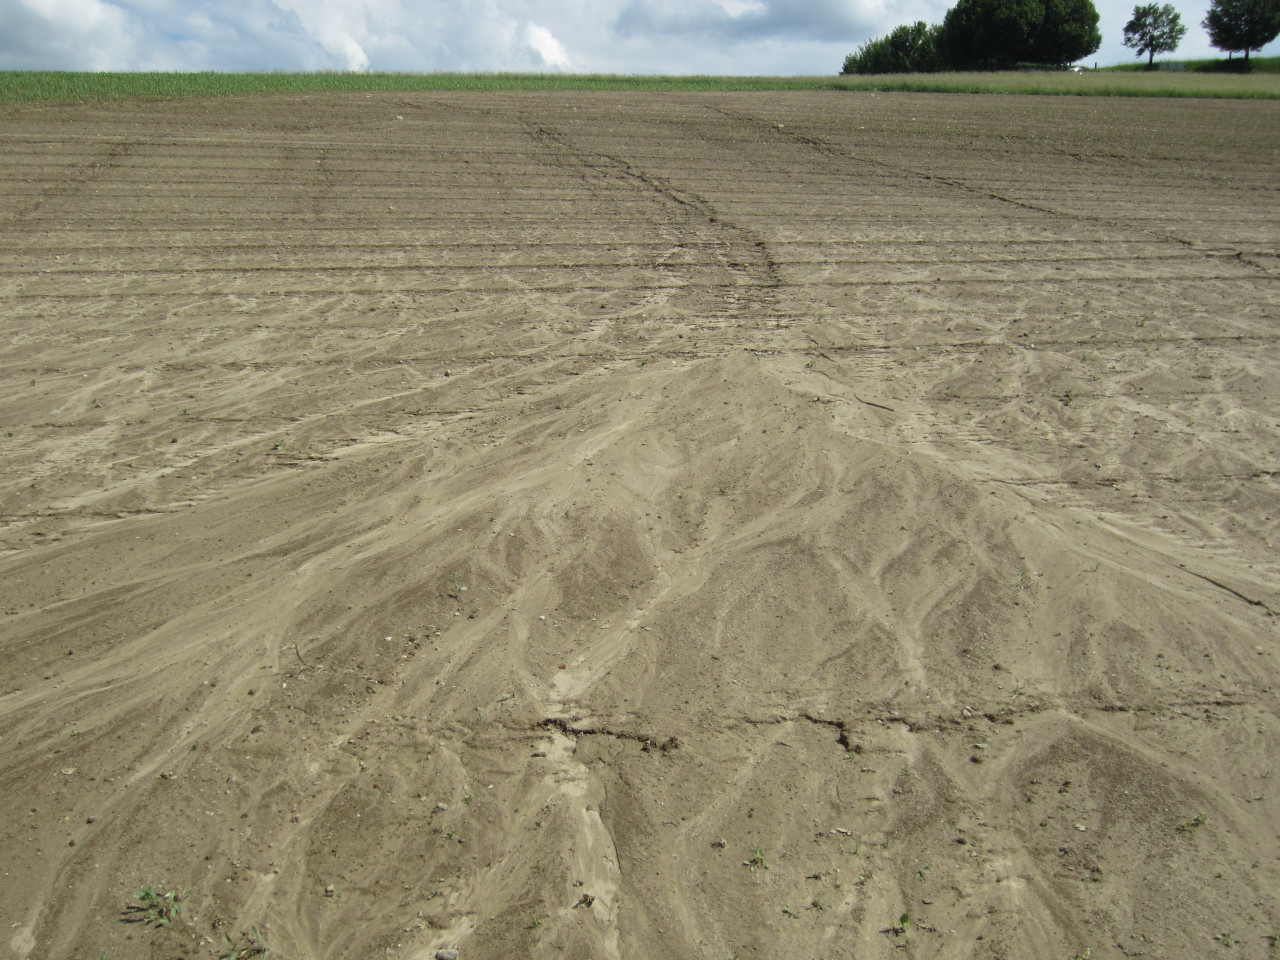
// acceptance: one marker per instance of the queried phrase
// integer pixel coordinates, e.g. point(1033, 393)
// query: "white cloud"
point(548, 47)
point(736, 8)
point(619, 36)
point(713, 20)
point(64, 34)
point(339, 28)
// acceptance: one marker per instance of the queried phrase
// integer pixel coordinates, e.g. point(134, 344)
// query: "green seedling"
point(757, 860)
point(251, 944)
point(456, 586)
point(900, 928)
point(160, 908)
point(1196, 823)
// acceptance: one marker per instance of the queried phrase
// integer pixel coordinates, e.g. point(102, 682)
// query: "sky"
point(761, 37)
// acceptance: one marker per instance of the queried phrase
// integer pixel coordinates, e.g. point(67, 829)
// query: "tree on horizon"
point(1242, 24)
point(1154, 29)
point(999, 34)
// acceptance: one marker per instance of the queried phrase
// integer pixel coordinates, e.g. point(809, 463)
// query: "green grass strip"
point(54, 86)
point(1235, 65)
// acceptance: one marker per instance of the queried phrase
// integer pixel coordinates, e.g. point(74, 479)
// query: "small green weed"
point(1195, 823)
point(456, 587)
point(757, 860)
point(160, 908)
point(251, 944)
point(900, 928)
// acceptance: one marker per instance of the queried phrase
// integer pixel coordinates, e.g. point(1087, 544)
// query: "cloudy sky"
point(780, 37)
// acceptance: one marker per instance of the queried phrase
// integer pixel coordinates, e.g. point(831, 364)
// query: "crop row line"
point(745, 285)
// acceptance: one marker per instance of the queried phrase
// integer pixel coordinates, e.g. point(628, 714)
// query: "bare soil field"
point(759, 525)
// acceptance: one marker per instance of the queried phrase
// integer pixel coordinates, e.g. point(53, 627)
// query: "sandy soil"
point(625, 526)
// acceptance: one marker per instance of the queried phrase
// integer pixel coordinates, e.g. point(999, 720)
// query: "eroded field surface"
point(640, 526)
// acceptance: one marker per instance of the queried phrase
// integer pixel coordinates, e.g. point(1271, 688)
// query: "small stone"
point(441, 807)
point(449, 954)
point(328, 890)
point(1081, 827)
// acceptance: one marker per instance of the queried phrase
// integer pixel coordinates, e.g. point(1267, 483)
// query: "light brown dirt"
point(641, 526)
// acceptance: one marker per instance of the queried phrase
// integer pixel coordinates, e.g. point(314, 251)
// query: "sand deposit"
point(640, 526)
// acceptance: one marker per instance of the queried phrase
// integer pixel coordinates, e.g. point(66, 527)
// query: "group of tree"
point(1001, 34)
point(985, 35)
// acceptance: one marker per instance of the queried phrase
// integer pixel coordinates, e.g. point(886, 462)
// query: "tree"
point(1154, 29)
point(1242, 24)
point(998, 34)
point(1067, 32)
point(910, 48)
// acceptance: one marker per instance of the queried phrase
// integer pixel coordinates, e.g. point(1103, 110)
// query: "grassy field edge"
point(61, 86)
